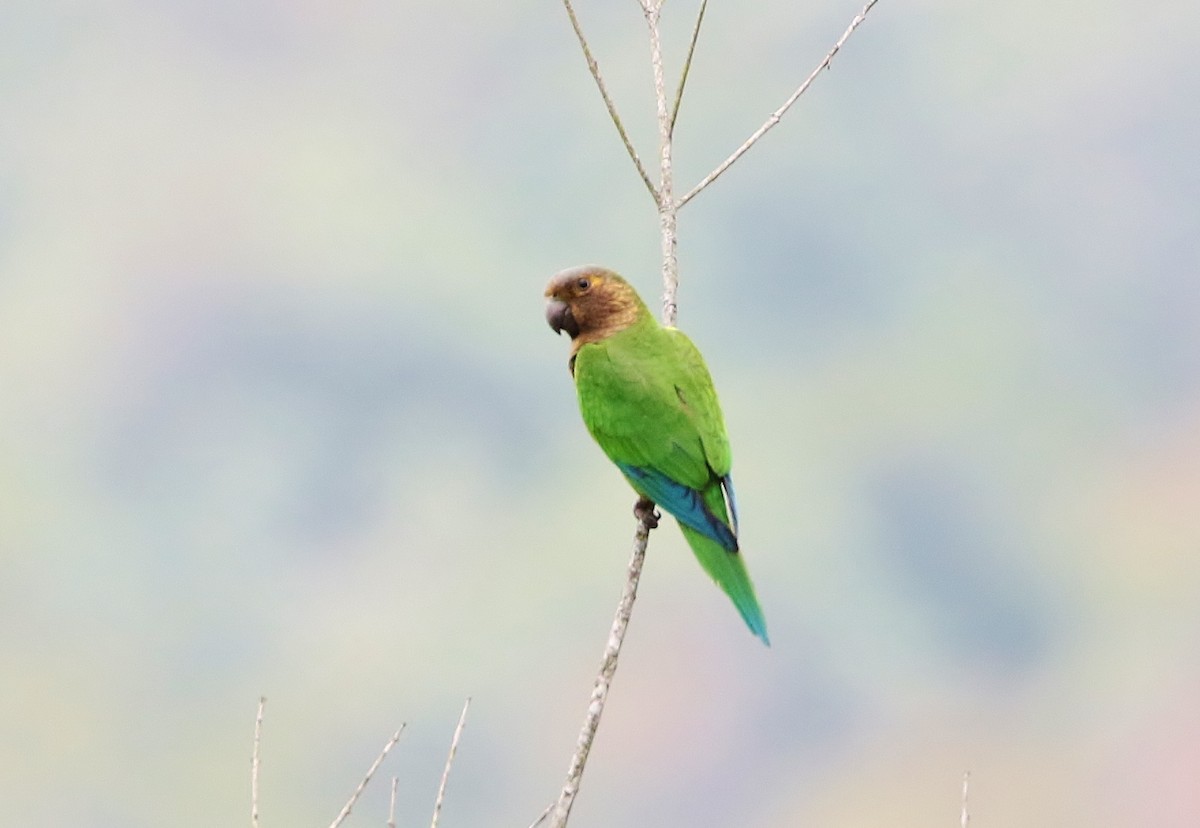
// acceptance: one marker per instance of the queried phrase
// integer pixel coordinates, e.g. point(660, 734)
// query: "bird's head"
point(590, 303)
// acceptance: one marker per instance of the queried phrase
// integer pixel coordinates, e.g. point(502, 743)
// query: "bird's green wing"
point(694, 386)
point(647, 398)
point(644, 405)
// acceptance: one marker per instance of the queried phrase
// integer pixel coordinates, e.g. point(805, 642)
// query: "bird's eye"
point(584, 283)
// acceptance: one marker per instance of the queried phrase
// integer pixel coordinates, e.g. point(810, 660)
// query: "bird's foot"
point(644, 511)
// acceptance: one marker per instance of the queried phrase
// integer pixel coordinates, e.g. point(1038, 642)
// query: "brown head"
point(591, 303)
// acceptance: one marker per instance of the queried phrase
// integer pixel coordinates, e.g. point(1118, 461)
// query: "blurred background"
point(280, 414)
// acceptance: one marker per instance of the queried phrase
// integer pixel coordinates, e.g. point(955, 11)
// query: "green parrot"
point(647, 398)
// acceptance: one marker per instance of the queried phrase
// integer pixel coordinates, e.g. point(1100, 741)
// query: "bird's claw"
point(644, 511)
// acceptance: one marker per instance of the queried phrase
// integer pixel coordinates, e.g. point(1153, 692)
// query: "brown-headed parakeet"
point(647, 398)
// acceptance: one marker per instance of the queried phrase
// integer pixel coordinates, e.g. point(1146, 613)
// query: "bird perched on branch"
point(647, 398)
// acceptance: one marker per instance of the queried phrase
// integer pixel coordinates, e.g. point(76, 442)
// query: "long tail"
point(729, 571)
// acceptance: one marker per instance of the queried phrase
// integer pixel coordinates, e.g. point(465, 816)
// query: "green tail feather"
point(729, 571)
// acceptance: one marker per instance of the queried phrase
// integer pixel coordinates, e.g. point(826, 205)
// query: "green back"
point(647, 398)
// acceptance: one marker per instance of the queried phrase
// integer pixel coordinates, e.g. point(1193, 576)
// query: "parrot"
point(648, 400)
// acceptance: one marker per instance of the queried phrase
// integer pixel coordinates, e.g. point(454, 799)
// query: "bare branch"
point(965, 817)
point(667, 208)
point(608, 667)
point(542, 818)
point(254, 765)
point(391, 820)
point(367, 778)
point(778, 113)
point(441, 794)
point(646, 517)
point(687, 65)
point(594, 68)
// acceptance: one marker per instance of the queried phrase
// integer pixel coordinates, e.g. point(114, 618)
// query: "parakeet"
point(647, 398)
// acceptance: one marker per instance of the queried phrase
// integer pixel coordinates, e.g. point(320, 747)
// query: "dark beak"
point(558, 314)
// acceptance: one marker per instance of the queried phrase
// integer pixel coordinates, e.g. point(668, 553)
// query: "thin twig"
point(441, 794)
point(667, 208)
point(258, 722)
point(367, 778)
point(965, 817)
point(391, 820)
point(594, 68)
point(608, 667)
point(542, 818)
point(687, 65)
point(778, 113)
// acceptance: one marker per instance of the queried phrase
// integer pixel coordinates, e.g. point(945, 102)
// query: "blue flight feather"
point(684, 502)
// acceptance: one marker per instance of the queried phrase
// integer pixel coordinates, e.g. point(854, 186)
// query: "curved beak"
point(558, 314)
